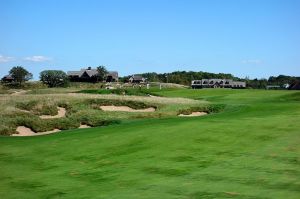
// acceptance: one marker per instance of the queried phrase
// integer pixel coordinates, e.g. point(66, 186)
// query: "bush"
point(36, 108)
point(92, 118)
point(65, 105)
point(54, 78)
point(6, 130)
point(212, 108)
point(29, 105)
point(48, 110)
point(101, 122)
point(65, 123)
point(36, 124)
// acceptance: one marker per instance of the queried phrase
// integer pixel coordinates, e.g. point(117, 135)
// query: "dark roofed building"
point(217, 83)
point(112, 76)
point(295, 86)
point(7, 78)
point(90, 75)
point(137, 79)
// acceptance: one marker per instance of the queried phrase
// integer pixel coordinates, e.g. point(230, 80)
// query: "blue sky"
point(255, 38)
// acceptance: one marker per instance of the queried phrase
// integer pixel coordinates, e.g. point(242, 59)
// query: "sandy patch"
point(21, 110)
point(61, 113)
point(125, 109)
point(193, 114)
point(21, 92)
point(84, 126)
point(24, 131)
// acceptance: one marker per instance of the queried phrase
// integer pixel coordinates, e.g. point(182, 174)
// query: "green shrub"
point(65, 123)
point(36, 124)
point(29, 105)
point(6, 130)
point(48, 110)
point(212, 108)
point(65, 105)
point(101, 122)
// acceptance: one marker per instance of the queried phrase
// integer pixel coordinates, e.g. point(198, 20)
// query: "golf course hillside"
point(243, 144)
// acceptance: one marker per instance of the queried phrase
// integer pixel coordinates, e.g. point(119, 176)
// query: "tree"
point(102, 72)
point(54, 78)
point(20, 75)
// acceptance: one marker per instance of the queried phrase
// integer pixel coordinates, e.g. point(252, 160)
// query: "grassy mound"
point(80, 109)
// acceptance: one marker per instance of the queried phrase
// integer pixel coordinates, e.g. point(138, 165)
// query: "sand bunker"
point(193, 114)
point(84, 126)
point(61, 113)
point(21, 92)
point(126, 109)
point(24, 131)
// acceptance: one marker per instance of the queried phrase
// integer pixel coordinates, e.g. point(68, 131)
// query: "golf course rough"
point(249, 150)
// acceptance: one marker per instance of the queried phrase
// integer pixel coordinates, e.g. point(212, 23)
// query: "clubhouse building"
point(90, 75)
point(217, 83)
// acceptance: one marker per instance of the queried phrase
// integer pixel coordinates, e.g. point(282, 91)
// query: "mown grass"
point(250, 150)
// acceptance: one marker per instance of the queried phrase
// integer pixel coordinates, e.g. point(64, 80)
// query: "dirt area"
point(125, 109)
point(21, 92)
point(84, 126)
point(61, 113)
point(24, 131)
point(21, 110)
point(193, 114)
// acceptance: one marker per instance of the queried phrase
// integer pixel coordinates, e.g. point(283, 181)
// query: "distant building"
point(7, 78)
point(112, 76)
point(295, 86)
point(90, 75)
point(137, 79)
point(217, 83)
point(278, 87)
point(273, 87)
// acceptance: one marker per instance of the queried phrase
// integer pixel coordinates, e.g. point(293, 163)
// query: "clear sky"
point(255, 38)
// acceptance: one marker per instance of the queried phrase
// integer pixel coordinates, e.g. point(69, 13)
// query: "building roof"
point(91, 72)
point(114, 74)
point(209, 82)
point(295, 86)
point(74, 73)
point(137, 77)
point(8, 77)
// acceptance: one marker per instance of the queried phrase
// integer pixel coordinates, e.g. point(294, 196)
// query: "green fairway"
point(250, 150)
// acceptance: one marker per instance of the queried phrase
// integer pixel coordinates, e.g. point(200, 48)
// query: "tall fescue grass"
point(24, 110)
point(211, 108)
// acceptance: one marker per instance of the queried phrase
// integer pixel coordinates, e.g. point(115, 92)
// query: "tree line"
point(185, 78)
point(58, 78)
